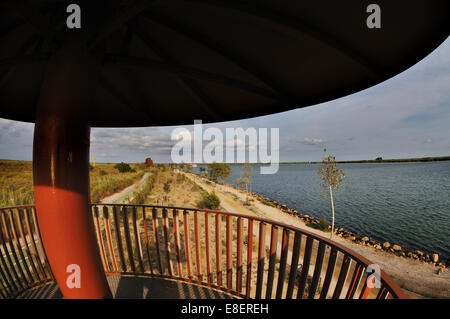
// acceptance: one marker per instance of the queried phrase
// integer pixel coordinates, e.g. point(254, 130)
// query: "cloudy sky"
point(406, 116)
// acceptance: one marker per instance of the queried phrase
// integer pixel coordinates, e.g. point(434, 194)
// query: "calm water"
point(403, 203)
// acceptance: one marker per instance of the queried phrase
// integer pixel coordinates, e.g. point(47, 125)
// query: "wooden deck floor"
point(138, 288)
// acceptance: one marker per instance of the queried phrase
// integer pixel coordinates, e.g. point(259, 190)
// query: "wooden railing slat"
point(147, 239)
point(9, 250)
point(108, 237)
point(186, 244)
point(239, 256)
point(342, 275)
point(283, 260)
point(305, 268)
point(317, 271)
point(261, 258)
point(329, 274)
point(126, 228)
point(197, 248)
point(137, 240)
point(119, 238)
point(357, 273)
point(27, 248)
point(100, 239)
point(177, 242)
point(208, 266)
point(249, 258)
point(155, 233)
point(33, 245)
point(218, 252)
point(272, 258)
point(167, 242)
point(229, 268)
point(294, 264)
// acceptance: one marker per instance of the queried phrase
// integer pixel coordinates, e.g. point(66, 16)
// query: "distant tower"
point(148, 161)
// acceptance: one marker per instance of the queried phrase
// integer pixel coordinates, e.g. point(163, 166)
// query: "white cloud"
point(311, 141)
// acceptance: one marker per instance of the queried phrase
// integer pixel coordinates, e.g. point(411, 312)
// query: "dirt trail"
point(126, 193)
point(418, 279)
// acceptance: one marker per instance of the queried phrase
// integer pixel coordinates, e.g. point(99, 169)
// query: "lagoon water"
point(404, 203)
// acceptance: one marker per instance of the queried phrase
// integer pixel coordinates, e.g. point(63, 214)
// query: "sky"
point(405, 116)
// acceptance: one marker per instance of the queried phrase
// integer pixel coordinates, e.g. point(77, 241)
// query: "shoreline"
point(417, 276)
point(361, 239)
point(365, 240)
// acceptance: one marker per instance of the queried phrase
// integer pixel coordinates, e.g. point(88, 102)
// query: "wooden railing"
point(245, 256)
point(23, 263)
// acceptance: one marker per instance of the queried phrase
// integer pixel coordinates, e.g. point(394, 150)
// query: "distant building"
point(148, 161)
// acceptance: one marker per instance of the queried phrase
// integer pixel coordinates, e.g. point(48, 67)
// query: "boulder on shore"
point(364, 239)
point(435, 258)
point(386, 245)
point(397, 248)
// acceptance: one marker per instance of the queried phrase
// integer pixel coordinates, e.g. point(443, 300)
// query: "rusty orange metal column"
point(61, 174)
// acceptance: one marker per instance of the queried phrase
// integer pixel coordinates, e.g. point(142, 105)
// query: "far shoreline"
point(394, 160)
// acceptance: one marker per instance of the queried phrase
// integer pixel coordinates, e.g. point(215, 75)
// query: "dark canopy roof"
point(170, 62)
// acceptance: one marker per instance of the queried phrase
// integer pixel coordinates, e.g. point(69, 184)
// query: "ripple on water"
point(403, 203)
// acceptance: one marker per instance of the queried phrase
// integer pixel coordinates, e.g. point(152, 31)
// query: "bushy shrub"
point(124, 168)
point(167, 186)
point(209, 201)
point(140, 195)
point(322, 225)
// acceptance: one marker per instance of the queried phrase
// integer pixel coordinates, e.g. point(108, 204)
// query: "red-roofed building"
point(148, 161)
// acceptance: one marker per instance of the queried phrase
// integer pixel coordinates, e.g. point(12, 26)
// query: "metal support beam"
point(61, 175)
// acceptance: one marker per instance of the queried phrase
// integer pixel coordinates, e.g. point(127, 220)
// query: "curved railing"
point(245, 256)
point(23, 263)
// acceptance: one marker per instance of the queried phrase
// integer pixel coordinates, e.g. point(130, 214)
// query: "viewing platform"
point(174, 252)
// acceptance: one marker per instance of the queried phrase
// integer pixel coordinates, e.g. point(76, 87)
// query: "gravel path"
point(126, 193)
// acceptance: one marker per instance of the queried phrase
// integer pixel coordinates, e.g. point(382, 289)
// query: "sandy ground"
point(418, 279)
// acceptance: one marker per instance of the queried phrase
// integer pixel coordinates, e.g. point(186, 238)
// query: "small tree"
point(331, 176)
point(245, 178)
point(218, 171)
point(166, 189)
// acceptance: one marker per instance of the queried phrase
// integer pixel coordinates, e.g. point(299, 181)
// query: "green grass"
point(16, 181)
point(267, 203)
